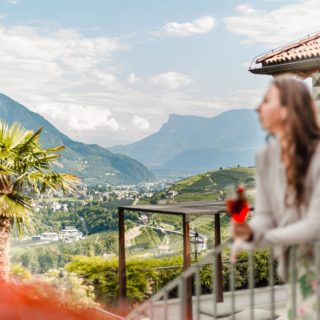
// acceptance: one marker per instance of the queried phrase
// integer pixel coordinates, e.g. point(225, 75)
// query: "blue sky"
point(111, 71)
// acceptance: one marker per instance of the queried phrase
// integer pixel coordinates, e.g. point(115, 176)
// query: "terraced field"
point(215, 185)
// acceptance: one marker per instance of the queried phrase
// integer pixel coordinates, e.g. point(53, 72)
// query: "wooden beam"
point(122, 260)
point(187, 306)
point(217, 236)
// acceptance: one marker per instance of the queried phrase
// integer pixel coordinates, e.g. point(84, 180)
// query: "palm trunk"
point(5, 226)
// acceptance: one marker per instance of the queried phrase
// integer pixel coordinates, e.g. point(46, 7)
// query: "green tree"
point(25, 168)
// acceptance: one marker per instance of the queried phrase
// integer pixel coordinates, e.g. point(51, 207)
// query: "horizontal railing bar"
point(196, 264)
point(109, 314)
point(207, 313)
point(164, 268)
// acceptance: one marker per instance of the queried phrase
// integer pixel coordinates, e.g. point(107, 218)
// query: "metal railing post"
point(232, 289)
point(293, 268)
point(215, 284)
point(197, 291)
point(317, 271)
point(271, 284)
point(251, 283)
point(182, 296)
point(165, 298)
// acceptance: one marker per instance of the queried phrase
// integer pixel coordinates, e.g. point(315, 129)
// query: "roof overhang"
point(302, 68)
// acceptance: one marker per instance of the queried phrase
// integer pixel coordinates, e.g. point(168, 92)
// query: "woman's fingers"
point(240, 230)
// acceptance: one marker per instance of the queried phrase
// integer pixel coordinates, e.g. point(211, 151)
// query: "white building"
point(49, 236)
point(144, 219)
point(55, 206)
point(70, 234)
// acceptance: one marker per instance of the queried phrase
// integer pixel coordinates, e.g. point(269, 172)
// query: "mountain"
point(92, 163)
point(196, 144)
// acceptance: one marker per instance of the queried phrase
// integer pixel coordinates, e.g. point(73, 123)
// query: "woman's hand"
point(241, 231)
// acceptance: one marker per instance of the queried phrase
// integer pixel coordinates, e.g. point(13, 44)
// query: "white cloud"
point(73, 81)
point(187, 103)
point(61, 75)
point(172, 80)
point(11, 1)
point(132, 79)
point(90, 118)
point(245, 9)
point(140, 123)
point(104, 78)
point(175, 29)
point(278, 26)
point(80, 118)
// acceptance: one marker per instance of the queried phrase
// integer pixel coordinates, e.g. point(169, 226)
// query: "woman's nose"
point(258, 108)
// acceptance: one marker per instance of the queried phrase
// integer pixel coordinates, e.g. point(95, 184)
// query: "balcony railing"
point(172, 301)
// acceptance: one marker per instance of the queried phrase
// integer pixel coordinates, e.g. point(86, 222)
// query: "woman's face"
point(271, 113)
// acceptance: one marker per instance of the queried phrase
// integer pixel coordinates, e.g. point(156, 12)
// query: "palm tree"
point(26, 168)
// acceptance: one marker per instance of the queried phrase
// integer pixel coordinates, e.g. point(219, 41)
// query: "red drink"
point(238, 207)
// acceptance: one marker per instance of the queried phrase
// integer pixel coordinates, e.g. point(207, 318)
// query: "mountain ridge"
point(236, 134)
point(91, 162)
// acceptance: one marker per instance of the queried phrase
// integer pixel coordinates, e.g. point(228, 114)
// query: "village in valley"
point(103, 193)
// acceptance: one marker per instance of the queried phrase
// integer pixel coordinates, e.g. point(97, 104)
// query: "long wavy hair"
point(302, 133)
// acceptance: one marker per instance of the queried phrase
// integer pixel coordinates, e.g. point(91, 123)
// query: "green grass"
point(167, 219)
point(209, 186)
point(186, 196)
point(148, 238)
point(166, 226)
point(17, 244)
point(188, 181)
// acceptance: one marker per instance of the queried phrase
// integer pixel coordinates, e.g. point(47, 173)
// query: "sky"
point(112, 71)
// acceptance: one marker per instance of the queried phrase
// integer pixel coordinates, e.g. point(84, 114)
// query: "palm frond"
point(5, 185)
point(40, 162)
point(25, 166)
point(11, 136)
point(41, 181)
point(70, 181)
point(55, 149)
point(23, 225)
point(6, 170)
point(4, 152)
point(30, 137)
point(14, 206)
point(18, 209)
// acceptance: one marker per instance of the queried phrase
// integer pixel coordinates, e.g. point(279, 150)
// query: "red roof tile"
point(306, 48)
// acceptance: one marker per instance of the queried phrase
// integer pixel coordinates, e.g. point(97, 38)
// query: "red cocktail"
point(238, 207)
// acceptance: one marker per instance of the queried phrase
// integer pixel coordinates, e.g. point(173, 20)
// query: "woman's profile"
point(287, 208)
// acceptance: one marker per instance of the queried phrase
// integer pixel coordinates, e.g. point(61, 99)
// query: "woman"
point(287, 209)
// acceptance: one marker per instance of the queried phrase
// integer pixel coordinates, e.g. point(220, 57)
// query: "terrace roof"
point(301, 57)
point(183, 208)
